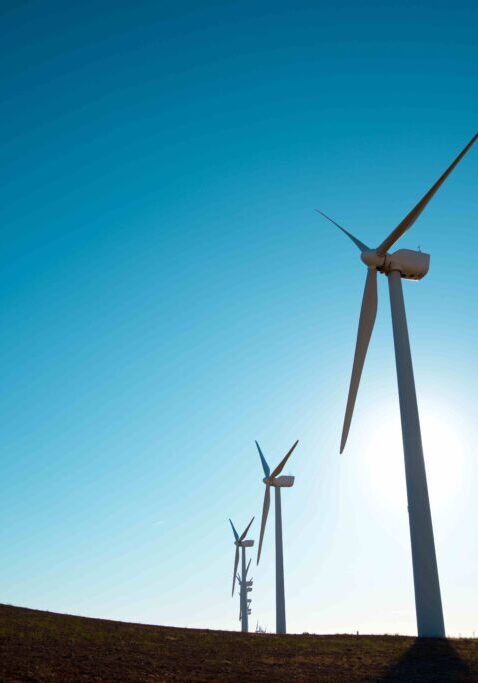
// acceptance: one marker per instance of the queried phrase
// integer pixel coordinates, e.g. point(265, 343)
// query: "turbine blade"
point(265, 512)
point(357, 242)
point(368, 314)
point(244, 533)
point(236, 535)
point(248, 565)
point(265, 466)
point(236, 562)
point(410, 219)
point(282, 463)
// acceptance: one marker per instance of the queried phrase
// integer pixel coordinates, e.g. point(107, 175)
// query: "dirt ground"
point(44, 646)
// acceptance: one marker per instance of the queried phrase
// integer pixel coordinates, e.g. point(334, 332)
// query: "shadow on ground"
point(429, 660)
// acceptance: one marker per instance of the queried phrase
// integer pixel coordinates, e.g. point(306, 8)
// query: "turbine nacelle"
point(244, 544)
point(412, 265)
point(280, 482)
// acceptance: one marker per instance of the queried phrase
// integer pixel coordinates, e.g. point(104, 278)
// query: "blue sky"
point(169, 295)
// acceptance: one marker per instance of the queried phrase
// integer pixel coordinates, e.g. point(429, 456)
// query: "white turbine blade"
point(244, 533)
point(357, 242)
point(265, 466)
point(236, 562)
point(282, 463)
point(368, 314)
point(236, 535)
point(410, 219)
point(265, 512)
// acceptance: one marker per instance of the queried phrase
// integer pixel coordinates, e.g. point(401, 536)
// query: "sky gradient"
point(169, 295)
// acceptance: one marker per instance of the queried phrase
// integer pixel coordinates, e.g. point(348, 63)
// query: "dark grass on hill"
point(44, 646)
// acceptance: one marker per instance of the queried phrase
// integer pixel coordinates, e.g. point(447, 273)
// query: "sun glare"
point(443, 441)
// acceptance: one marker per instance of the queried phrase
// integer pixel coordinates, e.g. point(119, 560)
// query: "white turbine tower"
point(242, 543)
point(410, 265)
point(272, 479)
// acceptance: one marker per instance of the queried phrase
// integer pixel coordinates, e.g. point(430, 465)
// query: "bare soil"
point(44, 646)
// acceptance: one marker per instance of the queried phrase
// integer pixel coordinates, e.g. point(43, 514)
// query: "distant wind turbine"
point(245, 585)
point(242, 543)
point(272, 479)
point(409, 265)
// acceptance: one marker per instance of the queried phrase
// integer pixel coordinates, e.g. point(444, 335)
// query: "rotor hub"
point(372, 259)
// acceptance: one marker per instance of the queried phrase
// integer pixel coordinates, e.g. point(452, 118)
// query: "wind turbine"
point(242, 543)
point(272, 479)
point(409, 265)
point(246, 587)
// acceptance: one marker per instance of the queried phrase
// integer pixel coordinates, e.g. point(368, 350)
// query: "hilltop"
point(44, 646)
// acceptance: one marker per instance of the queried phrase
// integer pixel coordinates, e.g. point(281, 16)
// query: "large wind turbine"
point(272, 479)
point(242, 543)
point(410, 265)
